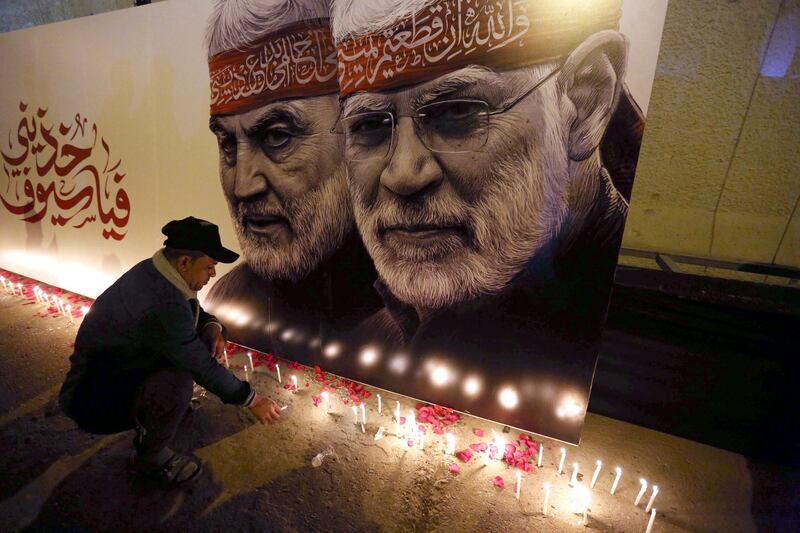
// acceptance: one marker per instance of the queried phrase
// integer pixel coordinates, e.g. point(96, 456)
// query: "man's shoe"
point(177, 471)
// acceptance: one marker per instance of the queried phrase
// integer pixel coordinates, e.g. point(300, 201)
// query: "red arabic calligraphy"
point(63, 171)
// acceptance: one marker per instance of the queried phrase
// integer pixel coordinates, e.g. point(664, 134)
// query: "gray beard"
point(320, 221)
point(519, 211)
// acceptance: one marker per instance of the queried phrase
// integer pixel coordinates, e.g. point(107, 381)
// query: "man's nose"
point(251, 179)
point(412, 169)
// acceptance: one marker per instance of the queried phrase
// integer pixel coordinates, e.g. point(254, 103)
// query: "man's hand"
point(266, 410)
point(213, 339)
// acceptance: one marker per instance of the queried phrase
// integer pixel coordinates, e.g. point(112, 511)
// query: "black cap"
point(200, 235)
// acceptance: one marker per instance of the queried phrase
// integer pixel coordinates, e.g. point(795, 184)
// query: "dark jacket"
point(141, 323)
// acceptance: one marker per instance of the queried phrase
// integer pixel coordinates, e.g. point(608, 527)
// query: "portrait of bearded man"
point(282, 174)
point(485, 171)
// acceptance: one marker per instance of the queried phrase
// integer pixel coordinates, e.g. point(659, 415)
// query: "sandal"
point(177, 471)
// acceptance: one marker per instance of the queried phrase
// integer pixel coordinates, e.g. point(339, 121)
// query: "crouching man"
point(143, 344)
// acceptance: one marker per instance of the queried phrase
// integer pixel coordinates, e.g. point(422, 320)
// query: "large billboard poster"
point(429, 195)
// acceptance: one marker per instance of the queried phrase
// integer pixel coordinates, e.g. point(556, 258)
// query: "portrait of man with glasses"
point(485, 145)
point(273, 105)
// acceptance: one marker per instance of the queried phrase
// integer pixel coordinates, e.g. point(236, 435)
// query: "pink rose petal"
point(498, 482)
point(478, 432)
point(454, 468)
point(464, 455)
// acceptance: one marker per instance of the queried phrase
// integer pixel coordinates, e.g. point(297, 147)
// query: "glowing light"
point(451, 444)
point(472, 386)
point(652, 499)
point(368, 357)
point(569, 408)
point(332, 350)
point(84, 310)
point(596, 473)
point(294, 383)
point(327, 397)
point(500, 443)
point(643, 482)
point(399, 364)
point(272, 327)
point(650, 522)
point(574, 479)
point(561, 462)
point(315, 342)
point(546, 503)
point(584, 499)
point(242, 319)
point(509, 398)
point(287, 335)
point(441, 375)
point(616, 480)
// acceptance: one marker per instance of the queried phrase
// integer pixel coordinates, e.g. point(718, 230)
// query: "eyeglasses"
point(454, 126)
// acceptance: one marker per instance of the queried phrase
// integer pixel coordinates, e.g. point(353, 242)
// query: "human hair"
point(353, 18)
point(235, 23)
point(172, 254)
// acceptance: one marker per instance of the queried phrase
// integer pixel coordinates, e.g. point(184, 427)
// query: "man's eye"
point(276, 138)
point(227, 146)
point(456, 110)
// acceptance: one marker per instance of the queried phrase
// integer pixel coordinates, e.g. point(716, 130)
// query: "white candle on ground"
point(69, 312)
point(546, 503)
point(650, 522)
point(616, 480)
point(574, 479)
point(363, 429)
point(19, 286)
point(355, 414)
point(561, 462)
point(225, 357)
point(294, 382)
point(641, 491)
point(379, 434)
point(421, 437)
point(85, 310)
point(278, 368)
point(36, 293)
point(379, 404)
point(451, 444)
point(397, 419)
point(327, 397)
point(541, 452)
point(596, 473)
point(250, 358)
point(363, 414)
point(246, 375)
point(519, 483)
point(652, 499)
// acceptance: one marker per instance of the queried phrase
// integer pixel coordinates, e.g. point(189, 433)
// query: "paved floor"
point(55, 477)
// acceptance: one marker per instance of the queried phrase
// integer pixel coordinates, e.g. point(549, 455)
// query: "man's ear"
point(591, 80)
point(182, 263)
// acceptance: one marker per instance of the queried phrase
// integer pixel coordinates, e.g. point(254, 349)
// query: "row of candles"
point(416, 432)
point(43, 298)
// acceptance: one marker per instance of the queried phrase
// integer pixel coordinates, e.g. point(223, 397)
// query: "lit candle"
point(379, 434)
point(327, 397)
point(225, 357)
point(519, 483)
point(60, 305)
point(363, 429)
point(574, 479)
point(650, 522)
point(541, 452)
point(355, 414)
point(19, 286)
point(250, 358)
point(84, 310)
point(36, 290)
point(652, 499)
point(596, 473)
point(3, 279)
point(412, 422)
point(451, 444)
point(546, 503)
point(69, 312)
point(246, 375)
point(294, 382)
point(363, 414)
point(587, 499)
point(379, 404)
point(561, 462)
point(500, 444)
point(421, 437)
point(616, 480)
point(278, 368)
point(641, 491)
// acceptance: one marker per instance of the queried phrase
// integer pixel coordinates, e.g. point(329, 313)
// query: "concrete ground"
point(54, 477)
